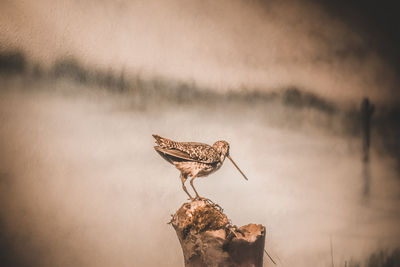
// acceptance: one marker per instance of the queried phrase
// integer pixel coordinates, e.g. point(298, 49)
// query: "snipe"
point(193, 159)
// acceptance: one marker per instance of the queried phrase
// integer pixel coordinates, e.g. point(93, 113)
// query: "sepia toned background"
point(84, 84)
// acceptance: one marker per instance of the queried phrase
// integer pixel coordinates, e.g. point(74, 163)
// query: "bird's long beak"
point(229, 157)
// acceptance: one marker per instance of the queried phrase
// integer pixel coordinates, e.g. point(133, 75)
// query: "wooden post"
point(208, 238)
point(367, 110)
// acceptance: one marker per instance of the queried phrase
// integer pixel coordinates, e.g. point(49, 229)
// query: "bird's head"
point(222, 148)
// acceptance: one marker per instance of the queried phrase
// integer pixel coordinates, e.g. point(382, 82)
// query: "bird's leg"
point(183, 179)
point(191, 183)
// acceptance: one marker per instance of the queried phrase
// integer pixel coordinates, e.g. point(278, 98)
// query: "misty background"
point(84, 85)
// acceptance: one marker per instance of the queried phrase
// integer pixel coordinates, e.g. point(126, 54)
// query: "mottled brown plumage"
point(193, 159)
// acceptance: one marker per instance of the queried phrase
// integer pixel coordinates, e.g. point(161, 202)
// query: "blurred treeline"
point(14, 62)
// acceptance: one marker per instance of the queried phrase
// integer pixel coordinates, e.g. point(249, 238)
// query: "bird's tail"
point(164, 142)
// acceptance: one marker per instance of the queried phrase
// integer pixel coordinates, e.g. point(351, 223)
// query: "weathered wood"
point(208, 238)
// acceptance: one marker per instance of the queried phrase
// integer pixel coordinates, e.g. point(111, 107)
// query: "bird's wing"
point(187, 150)
point(174, 153)
point(170, 154)
point(199, 152)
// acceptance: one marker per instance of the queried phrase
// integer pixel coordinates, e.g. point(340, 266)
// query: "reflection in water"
point(367, 180)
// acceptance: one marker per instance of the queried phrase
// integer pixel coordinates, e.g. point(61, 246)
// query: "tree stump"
point(208, 238)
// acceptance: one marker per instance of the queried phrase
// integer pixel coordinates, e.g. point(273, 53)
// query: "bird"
point(193, 159)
